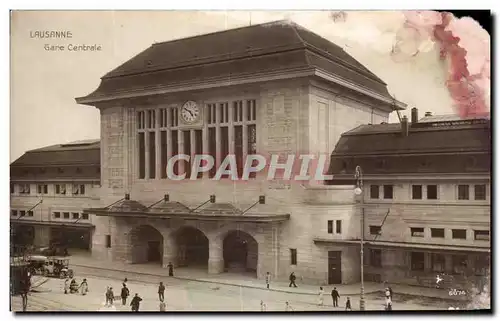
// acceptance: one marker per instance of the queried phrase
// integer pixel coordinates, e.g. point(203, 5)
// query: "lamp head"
point(358, 191)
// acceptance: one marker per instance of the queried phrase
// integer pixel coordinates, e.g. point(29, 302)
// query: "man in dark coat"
point(125, 293)
point(292, 280)
point(170, 269)
point(136, 301)
point(335, 297)
point(161, 291)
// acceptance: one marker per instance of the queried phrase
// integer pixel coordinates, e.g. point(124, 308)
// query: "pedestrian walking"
point(321, 292)
point(110, 296)
point(84, 287)
point(335, 297)
point(135, 303)
point(161, 291)
point(288, 307)
point(292, 280)
point(66, 286)
point(348, 304)
point(268, 279)
point(124, 294)
point(170, 269)
point(263, 306)
point(163, 306)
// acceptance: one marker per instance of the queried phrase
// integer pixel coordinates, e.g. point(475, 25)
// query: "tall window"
point(146, 126)
point(416, 192)
point(437, 262)
point(78, 189)
point(338, 226)
point(432, 192)
point(24, 189)
point(108, 241)
point(388, 191)
point(480, 192)
point(152, 154)
point(417, 261)
point(60, 189)
point(330, 227)
point(375, 257)
point(42, 189)
point(463, 192)
point(293, 256)
point(374, 191)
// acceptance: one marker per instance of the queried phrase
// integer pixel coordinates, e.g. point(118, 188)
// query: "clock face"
point(190, 112)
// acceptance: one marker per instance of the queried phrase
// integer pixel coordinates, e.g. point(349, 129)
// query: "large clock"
point(190, 112)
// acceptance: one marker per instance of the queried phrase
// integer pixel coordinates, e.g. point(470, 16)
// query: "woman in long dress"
point(321, 292)
point(84, 286)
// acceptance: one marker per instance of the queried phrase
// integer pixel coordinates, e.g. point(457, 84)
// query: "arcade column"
point(169, 252)
point(215, 257)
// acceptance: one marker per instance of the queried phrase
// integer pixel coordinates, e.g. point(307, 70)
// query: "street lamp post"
point(359, 191)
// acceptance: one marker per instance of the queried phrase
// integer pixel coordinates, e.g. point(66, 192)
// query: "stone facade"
point(295, 116)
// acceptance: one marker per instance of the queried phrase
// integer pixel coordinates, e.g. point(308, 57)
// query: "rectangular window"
point(163, 117)
point(30, 213)
point(142, 155)
point(24, 189)
point(108, 241)
point(416, 192)
point(174, 120)
point(417, 261)
point(140, 120)
point(480, 192)
point(463, 192)
point(437, 262)
point(22, 213)
point(338, 226)
point(75, 215)
point(152, 154)
point(57, 214)
point(61, 189)
point(224, 146)
point(13, 212)
point(293, 256)
point(12, 189)
point(66, 215)
point(375, 230)
point(238, 149)
point(481, 235)
point(198, 148)
point(437, 232)
point(42, 189)
point(212, 151)
point(459, 263)
point(82, 189)
point(459, 234)
point(251, 110)
point(388, 191)
point(374, 192)
point(151, 119)
point(330, 227)
point(417, 231)
point(375, 257)
point(85, 216)
point(175, 150)
point(163, 153)
point(432, 192)
point(252, 145)
point(187, 151)
point(78, 189)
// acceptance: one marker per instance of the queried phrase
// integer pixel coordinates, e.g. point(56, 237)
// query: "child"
point(348, 304)
point(262, 306)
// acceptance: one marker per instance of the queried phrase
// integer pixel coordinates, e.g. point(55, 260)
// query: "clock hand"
point(190, 113)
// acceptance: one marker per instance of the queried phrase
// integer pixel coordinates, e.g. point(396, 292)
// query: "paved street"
point(185, 295)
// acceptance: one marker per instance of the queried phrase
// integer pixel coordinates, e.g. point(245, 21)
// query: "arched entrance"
point(192, 247)
point(146, 244)
point(240, 251)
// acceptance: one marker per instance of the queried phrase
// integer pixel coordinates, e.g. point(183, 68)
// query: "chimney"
point(166, 197)
point(414, 115)
point(127, 197)
point(428, 113)
point(404, 126)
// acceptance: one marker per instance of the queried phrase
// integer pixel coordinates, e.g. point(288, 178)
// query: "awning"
point(389, 244)
point(191, 215)
point(52, 223)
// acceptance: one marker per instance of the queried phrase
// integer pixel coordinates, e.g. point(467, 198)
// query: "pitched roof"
point(254, 49)
point(434, 137)
point(76, 153)
point(127, 206)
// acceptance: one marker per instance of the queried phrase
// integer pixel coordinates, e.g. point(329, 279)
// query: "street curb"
point(216, 282)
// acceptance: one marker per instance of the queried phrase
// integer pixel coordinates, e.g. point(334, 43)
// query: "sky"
point(45, 83)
